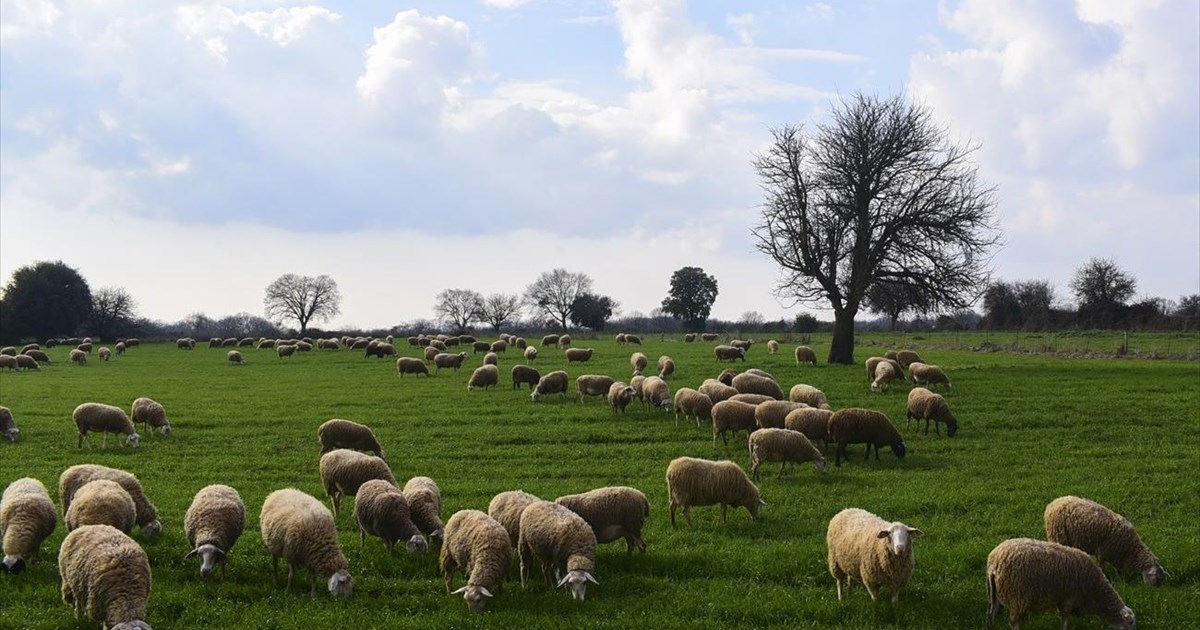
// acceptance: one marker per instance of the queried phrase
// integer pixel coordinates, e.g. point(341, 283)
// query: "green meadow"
point(1124, 432)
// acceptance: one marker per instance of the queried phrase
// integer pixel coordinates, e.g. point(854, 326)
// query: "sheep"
point(804, 354)
point(564, 341)
point(531, 353)
point(884, 374)
point(120, 347)
point(1099, 531)
point(522, 374)
point(750, 383)
point(873, 362)
point(613, 513)
point(439, 345)
point(102, 502)
point(343, 471)
point(477, 545)
point(633, 339)
point(213, 523)
point(465, 339)
point(269, 344)
point(771, 414)
point(75, 477)
point(107, 575)
point(638, 362)
point(560, 540)
point(431, 353)
point(148, 412)
point(619, 396)
point(620, 338)
point(104, 354)
point(716, 390)
point(857, 426)
point(338, 433)
point(926, 374)
point(409, 365)
point(78, 356)
point(214, 342)
point(8, 362)
point(891, 355)
point(483, 377)
point(380, 350)
point(907, 358)
point(1027, 575)
point(29, 346)
point(285, 350)
point(809, 395)
point(781, 445)
point(185, 343)
point(656, 393)
point(691, 402)
point(708, 336)
point(499, 346)
point(520, 343)
point(449, 341)
point(726, 376)
point(666, 367)
point(246, 342)
point(636, 383)
point(425, 505)
point(578, 355)
point(8, 426)
point(506, 508)
point(298, 528)
point(926, 405)
point(689, 338)
point(234, 357)
point(104, 419)
point(454, 361)
point(8, 351)
point(380, 509)
point(867, 548)
point(27, 518)
point(732, 416)
point(491, 358)
point(552, 383)
point(481, 346)
point(361, 343)
point(329, 344)
point(813, 423)
point(231, 342)
point(38, 355)
point(729, 353)
point(758, 372)
point(752, 399)
point(772, 346)
point(50, 343)
point(701, 482)
point(592, 385)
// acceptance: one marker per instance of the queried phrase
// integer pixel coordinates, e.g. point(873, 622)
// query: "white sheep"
point(8, 426)
point(772, 414)
point(425, 505)
point(235, 358)
point(578, 355)
point(755, 383)
point(562, 542)
point(692, 403)
point(729, 353)
point(338, 433)
point(380, 509)
point(102, 502)
point(782, 445)
point(104, 419)
point(809, 395)
point(78, 357)
point(701, 482)
point(716, 390)
point(107, 575)
point(454, 361)
point(552, 383)
point(75, 477)
point(213, 523)
point(638, 362)
point(491, 358)
point(298, 528)
point(27, 518)
point(614, 513)
point(804, 354)
point(344, 470)
point(666, 367)
point(150, 413)
point(813, 423)
point(619, 396)
point(884, 375)
point(506, 508)
point(927, 375)
point(1097, 530)
point(732, 416)
point(409, 365)
point(531, 353)
point(656, 393)
point(592, 385)
point(867, 548)
point(479, 546)
point(772, 346)
point(104, 353)
point(483, 377)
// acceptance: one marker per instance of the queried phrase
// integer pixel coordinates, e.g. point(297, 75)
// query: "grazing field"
point(1122, 432)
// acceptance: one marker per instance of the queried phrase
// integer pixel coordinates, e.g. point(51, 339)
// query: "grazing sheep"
point(804, 354)
point(506, 508)
point(813, 423)
point(772, 414)
point(380, 350)
point(78, 356)
point(564, 341)
point(742, 343)
point(552, 383)
point(726, 376)
point(891, 355)
point(454, 361)
point(8, 362)
point(102, 502)
point(38, 355)
point(481, 346)
point(729, 353)
point(422, 341)
point(235, 357)
point(613, 513)
point(120, 347)
point(666, 367)
point(772, 346)
point(362, 343)
point(858, 426)
point(449, 341)
point(491, 358)
point(29, 346)
point(231, 342)
point(620, 339)
point(1027, 575)
point(213, 523)
point(638, 362)
point(732, 416)
point(578, 355)
point(439, 345)
point(884, 374)
point(26, 362)
point(809, 395)
point(636, 383)
point(874, 362)
point(185, 343)
point(329, 344)
point(431, 353)
point(8, 426)
point(708, 336)
point(380, 509)
point(907, 358)
point(520, 343)
point(592, 385)
point(409, 365)
point(499, 346)
point(619, 396)
point(781, 445)
point(298, 528)
point(750, 383)
point(75, 477)
point(269, 344)
point(214, 342)
point(1099, 531)
point(689, 338)
point(926, 405)
point(337, 433)
point(246, 342)
point(104, 354)
point(8, 351)
point(147, 411)
point(285, 350)
point(483, 377)
point(633, 339)
point(866, 548)
point(522, 374)
point(758, 372)
point(691, 402)
point(478, 546)
point(561, 541)
point(27, 519)
point(106, 575)
point(104, 419)
point(701, 482)
point(343, 471)
point(716, 390)
point(531, 353)
point(925, 374)
point(425, 506)
point(656, 393)
point(752, 399)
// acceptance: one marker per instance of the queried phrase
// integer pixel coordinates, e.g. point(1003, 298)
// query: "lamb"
point(578, 355)
point(8, 362)
point(592, 385)
point(560, 540)
point(27, 519)
point(691, 402)
point(619, 396)
point(343, 471)
point(804, 354)
point(483, 377)
point(337, 433)
point(772, 414)
point(873, 362)
point(522, 374)
point(552, 383)
point(1027, 575)
point(491, 358)
point(726, 376)
point(531, 353)
point(638, 362)
point(499, 346)
point(925, 374)
point(213, 523)
point(506, 508)
point(74, 478)
point(409, 365)
point(613, 513)
point(813, 423)
point(926, 405)
point(102, 502)
point(78, 356)
point(454, 361)
point(666, 367)
point(716, 390)
point(884, 374)
point(235, 358)
point(425, 505)
point(729, 353)
point(867, 548)
point(107, 575)
point(286, 350)
point(708, 336)
point(809, 395)
point(701, 482)
point(431, 353)
point(104, 419)
point(750, 383)
point(564, 341)
point(1099, 531)
point(752, 399)
point(656, 392)
point(152, 414)
point(633, 339)
point(298, 528)
point(380, 509)
point(26, 362)
point(478, 546)
point(857, 426)
point(104, 353)
point(549, 341)
point(781, 445)
point(907, 358)
point(732, 416)
point(8, 426)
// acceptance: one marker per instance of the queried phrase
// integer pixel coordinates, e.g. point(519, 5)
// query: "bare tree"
point(878, 194)
point(555, 291)
point(302, 298)
point(113, 310)
point(500, 309)
point(458, 307)
point(894, 300)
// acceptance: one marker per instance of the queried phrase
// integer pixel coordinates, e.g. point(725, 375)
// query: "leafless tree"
point(500, 309)
point(302, 298)
point(113, 310)
point(458, 307)
point(555, 291)
point(877, 194)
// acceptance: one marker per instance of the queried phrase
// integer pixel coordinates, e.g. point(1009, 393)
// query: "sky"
point(192, 153)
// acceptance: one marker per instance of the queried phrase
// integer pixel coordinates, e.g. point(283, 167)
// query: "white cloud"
point(820, 10)
point(209, 23)
point(743, 26)
point(506, 4)
point(22, 18)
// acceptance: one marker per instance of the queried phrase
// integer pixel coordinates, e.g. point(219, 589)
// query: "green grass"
point(1122, 432)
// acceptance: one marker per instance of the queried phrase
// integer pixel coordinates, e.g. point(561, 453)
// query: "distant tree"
point(113, 313)
point(43, 300)
point(500, 309)
point(553, 293)
point(806, 323)
point(752, 319)
point(1102, 289)
point(1188, 306)
point(303, 299)
point(199, 325)
point(245, 325)
point(592, 311)
point(893, 300)
point(1036, 298)
point(1001, 307)
point(458, 307)
point(691, 297)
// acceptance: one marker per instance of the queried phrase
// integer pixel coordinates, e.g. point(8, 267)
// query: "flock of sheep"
point(106, 575)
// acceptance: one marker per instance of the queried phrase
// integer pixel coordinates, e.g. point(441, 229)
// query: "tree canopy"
point(553, 293)
point(303, 299)
point(691, 297)
point(43, 300)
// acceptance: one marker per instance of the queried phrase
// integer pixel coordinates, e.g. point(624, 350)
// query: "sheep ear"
point(191, 553)
point(915, 533)
point(590, 578)
point(884, 533)
point(219, 551)
point(459, 591)
point(486, 593)
point(761, 502)
point(563, 580)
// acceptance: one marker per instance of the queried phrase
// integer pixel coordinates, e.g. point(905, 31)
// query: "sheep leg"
point(724, 509)
point(782, 467)
point(312, 584)
point(82, 437)
point(104, 440)
point(275, 572)
point(840, 453)
point(291, 574)
point(754, 470)
point(871, 591)
point(937, 427)
point(524, 552)
point(673, 506)
point(876, 452)
point(687, 514)
point(865, 457)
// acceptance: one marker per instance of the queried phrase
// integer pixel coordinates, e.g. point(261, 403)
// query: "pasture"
point(1122, 432)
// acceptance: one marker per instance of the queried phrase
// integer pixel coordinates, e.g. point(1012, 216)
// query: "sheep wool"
point(8, 362)
point(804, 354)
point(701, 482)
point(809, 395)
point(729, 353)
point(75, 477)
point(874, 362)
point(27, 518)
point(772, 346)
point(864, 426)
point(531, 353)
point(338, 433)
point(813, 423)
point(380, 509)
point(78, 357)
point(454, 361)
point(656, 393)
point(409, 365)
point(866, 548)
point(299, 529)
point(638, 362)
point(666, 367)
point(102, 502)
point(478, 546)
point(726, 376)
point(619, 396)
point(148, 412)
point(106, 575)
point(1099, 531)
point(483, 377)
point(613, 513)
point(8, 426)
point(563, 544)
point(592, 385)
point(235, 357)
point(716, 390)
point(524, 374)
point(925, 374)
point(732, 416)
point(213, 523)
point(693, 403)
point(926, 405)
point(549, 341)
point(578, 355)
point(425, 505)
point(884, 375)
point(751, 383)
point(343, 471)
point(564, 341)
point(552, 383)
point(26, 362)
point(491, 358)
point(104, 419)
point(772, 414)
point(781, 445)
point(506, 508)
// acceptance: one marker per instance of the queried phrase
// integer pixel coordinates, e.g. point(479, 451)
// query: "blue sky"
point(193, 152)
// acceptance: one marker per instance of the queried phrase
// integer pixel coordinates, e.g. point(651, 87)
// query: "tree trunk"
point(842, 348)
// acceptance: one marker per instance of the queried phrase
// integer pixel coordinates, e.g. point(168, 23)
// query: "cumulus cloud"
point(209, 23)
point(22, 18)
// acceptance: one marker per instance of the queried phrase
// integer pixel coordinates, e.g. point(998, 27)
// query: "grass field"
point(1033, 428)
